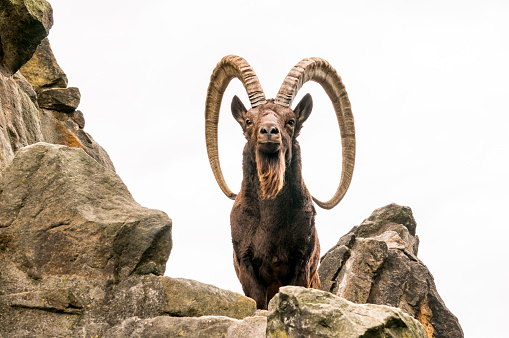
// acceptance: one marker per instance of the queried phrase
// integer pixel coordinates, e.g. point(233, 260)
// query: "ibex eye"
point(291, 122)
point(248, 122)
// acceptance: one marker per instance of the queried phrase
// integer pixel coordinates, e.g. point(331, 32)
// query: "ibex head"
point(270, 130)
point(271, 126)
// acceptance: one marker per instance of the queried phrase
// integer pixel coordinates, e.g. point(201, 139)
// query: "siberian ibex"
point(273, 218)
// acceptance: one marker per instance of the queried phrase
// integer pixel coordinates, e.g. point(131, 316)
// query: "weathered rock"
point(62, 99)
point(22, 123)
point(62, 128)
point(62, 300)
point(19, 117)
point(208, 326)
point(42, 70)
point(99, 307)
point(376, 262)
point(63, 213)
point(23, 25)
point(189, 298)
point(300, 312)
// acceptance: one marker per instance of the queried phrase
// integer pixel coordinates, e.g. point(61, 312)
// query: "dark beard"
point(271, 173)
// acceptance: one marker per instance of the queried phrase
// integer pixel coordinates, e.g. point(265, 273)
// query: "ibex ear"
point(238, 111)
point(302, 111)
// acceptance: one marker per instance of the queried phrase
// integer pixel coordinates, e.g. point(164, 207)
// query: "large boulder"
point(300, 312)
point(61, 212)
point(376, 262)
point(23, 25)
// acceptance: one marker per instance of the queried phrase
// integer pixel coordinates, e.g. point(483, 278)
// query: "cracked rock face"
point(300, 312)
point(376, 262)
point(61, 212)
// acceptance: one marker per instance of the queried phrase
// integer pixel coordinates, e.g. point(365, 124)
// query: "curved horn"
point(320, 71)
point(229, 67)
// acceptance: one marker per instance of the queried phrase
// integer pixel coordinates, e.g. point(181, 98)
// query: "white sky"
point(428, 86)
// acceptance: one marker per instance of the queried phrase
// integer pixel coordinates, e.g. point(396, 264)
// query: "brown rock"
point(376, 262)
point(42, 70)
point(23, 25)
point(62, 99)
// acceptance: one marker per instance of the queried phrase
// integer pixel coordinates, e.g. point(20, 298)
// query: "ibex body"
point(275, 242)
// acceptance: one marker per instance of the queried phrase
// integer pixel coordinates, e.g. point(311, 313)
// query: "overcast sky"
point(428, 83)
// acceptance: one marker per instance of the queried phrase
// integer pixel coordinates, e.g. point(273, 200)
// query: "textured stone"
point(62, 128)
point(19, 117)
point(81, 217)
point(207, 326)
point(98, 307)
point(62, 99)
point(300, 312)
point(23, 25)
point(376, 262)
point(189, 298)
point(42, 70)
point(50, 300)
point(22, 123)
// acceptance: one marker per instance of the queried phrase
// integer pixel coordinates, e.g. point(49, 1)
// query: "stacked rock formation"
point(376, 262)
point(35, 103)
point(80, 258)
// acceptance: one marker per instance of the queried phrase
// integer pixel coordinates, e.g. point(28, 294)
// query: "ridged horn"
point(320, 71)
point(229, 67)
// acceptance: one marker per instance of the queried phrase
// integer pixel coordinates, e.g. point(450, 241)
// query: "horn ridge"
point(320, 71)
point(228, 68)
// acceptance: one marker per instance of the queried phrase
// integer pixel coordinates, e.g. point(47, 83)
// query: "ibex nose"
point(271, 130)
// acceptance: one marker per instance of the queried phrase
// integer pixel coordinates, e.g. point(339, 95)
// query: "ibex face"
point(270, 130)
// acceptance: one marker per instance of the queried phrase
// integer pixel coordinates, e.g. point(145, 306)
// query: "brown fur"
point(273, 218)
point(271, 173)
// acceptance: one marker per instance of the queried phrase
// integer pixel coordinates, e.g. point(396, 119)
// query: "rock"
point(23, 25)
point(77, 116)
point(189, 298)
point(49, 300)
point(19, 117)
point(42, 70)
point(22, 123)
point(208, 326)
point(81, 217)
point(300, 312)
point(376, 262)
point(62, 99)
point(62, 128)
point(98, 307)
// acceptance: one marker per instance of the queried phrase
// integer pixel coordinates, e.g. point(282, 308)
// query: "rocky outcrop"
point(79, 255)
point(207, 326)
point(42, 70)
point(82, 219)
point(376, 262)
point(300, 312)
point(23, 24)
point(35, 103)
